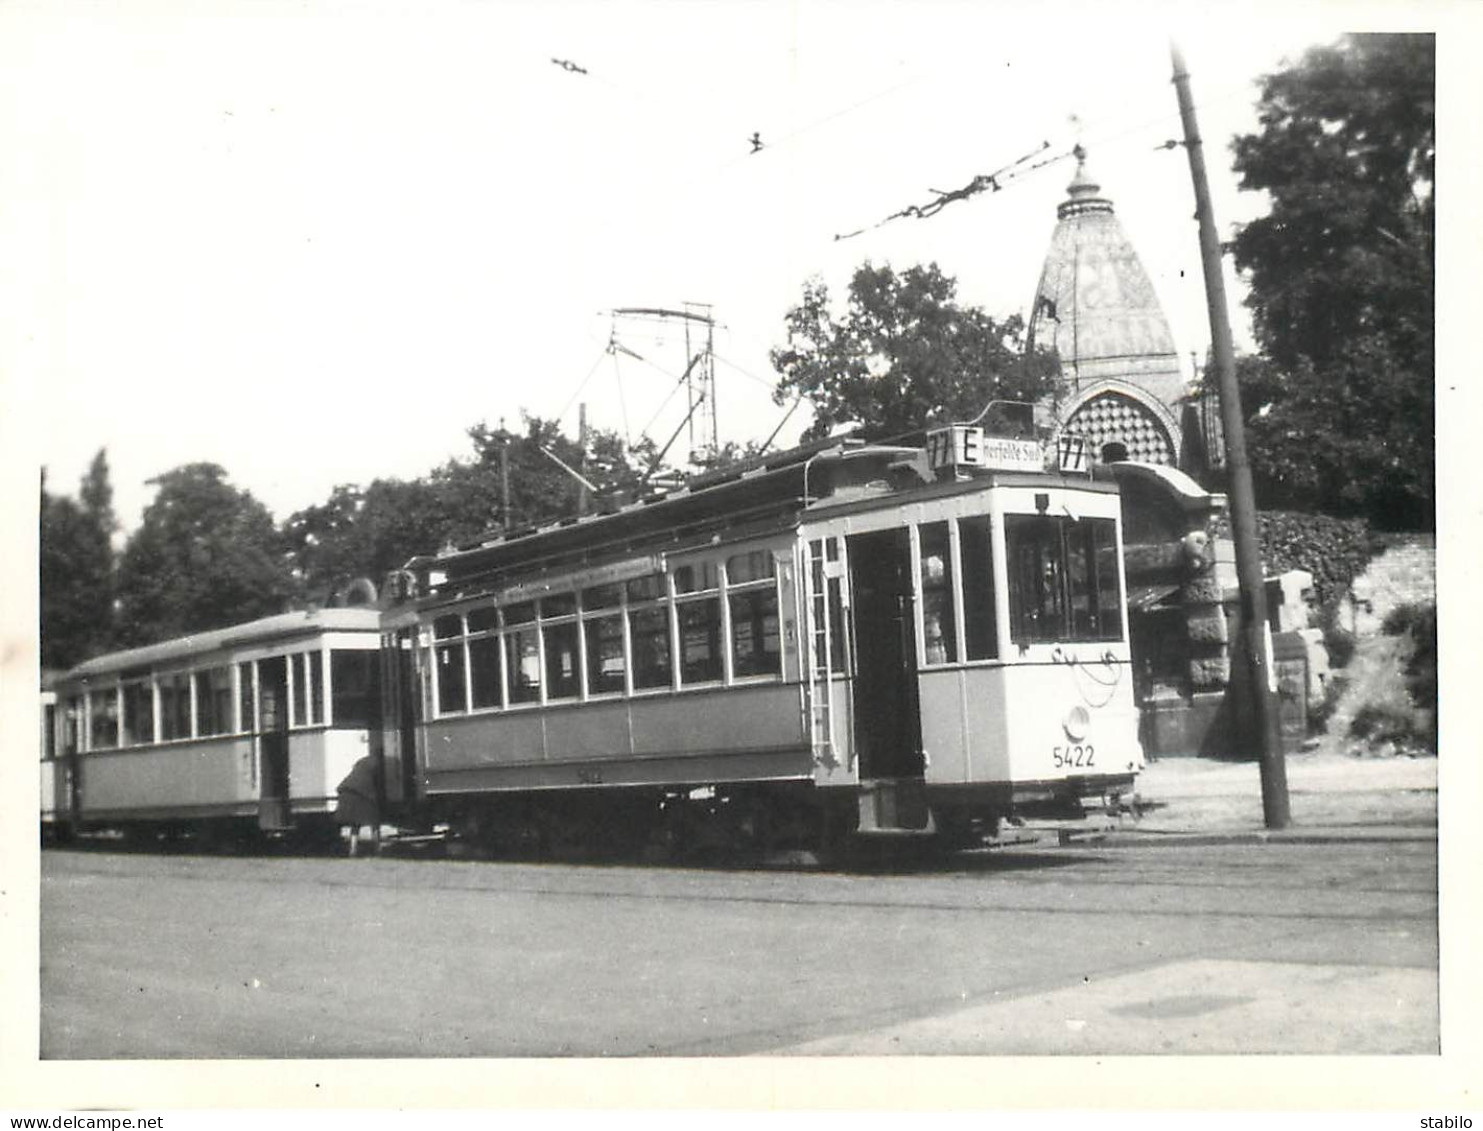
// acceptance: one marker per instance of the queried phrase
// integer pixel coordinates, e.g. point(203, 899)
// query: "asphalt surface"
point(1133, 947)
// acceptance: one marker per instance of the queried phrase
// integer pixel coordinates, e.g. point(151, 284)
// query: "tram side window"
point(103, 711)
point(355, 676)
point(523, 662)
point(72, 722)
point(484, 667)
point(981, 640)
point(295, 699)
point(247, 699)
point(700, 640)
point(939, 627)
point(213, 701)
point(605, 663)
point(562, 678)
point(699, 623)
point(175, 706)
point(756, 648)
point(138, 713)
point(315, 677)
point(448, 660)
point(648, 629)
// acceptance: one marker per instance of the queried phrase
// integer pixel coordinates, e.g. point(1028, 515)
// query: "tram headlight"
point(1076, 722)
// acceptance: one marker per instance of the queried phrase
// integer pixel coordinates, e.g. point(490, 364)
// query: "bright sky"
point(315, 241)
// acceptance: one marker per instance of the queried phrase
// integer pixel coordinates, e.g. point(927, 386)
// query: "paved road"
point(1276, 948)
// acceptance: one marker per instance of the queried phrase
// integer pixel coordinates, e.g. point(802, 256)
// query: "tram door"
point(272, 738)
point(888, 722)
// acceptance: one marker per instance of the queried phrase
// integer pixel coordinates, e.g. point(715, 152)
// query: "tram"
point(843, 639)
point(252, 726)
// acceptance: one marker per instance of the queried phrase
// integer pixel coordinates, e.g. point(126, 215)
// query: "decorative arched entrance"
point(1122, 427)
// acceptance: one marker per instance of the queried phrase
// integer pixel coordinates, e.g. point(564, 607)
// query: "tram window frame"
point(213, 701)
point(450, 666)
point(561, 649)
point(976, 584)
point(938, 588)
point(174, 706)
point(520, 688)
point(602, 614)
point(751, 584)
point(100, 721)
point(700, 630)
point(314, 678)
point(486, 668)
point(72, 724)
point(136, 694)
point(651, 646)
point(355, 681)
point(246, 697)
point(1041, 561)
point(295, 690)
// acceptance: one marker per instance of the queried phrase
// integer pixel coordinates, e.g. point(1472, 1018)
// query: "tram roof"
point(767, 490)
point(281, 625)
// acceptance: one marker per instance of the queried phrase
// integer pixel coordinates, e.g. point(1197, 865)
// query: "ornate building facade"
point(1121, 385)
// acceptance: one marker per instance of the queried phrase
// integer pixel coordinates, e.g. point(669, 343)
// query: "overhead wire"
point(581, 385)
point(1014, 172)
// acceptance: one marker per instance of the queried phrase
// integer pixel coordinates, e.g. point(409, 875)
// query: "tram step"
point(890, 806)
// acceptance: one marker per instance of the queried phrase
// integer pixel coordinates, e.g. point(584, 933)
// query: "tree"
point(369, 532)
point(1342, 279)
point(206, 555)
point(77, 569)
point(905, 353)
point(362, 532)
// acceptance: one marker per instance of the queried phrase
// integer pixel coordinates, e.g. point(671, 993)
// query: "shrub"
point(1421, 668)
point(1334, 550)
point(1383, 722)
point(1409, 618)
point(1321, 712)
point(1338, 640)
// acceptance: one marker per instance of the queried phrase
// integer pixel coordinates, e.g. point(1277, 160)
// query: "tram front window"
point(1063, 580)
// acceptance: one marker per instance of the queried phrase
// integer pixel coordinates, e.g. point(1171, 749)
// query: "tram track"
point(1327, 898)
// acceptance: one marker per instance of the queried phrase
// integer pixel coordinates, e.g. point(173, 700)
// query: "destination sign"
point(966, 445)
point(598, 575)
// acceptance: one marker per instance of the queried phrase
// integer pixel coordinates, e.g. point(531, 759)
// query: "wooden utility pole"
point(1253, 635)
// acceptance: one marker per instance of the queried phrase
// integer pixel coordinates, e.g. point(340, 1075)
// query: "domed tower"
point(1120, 384)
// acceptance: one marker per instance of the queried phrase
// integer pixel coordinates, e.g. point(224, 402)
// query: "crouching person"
point(355, 804)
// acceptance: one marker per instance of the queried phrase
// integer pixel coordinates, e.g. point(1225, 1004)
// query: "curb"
point(1191, 838)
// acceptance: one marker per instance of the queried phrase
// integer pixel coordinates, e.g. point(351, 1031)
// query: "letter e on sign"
point(972, 447)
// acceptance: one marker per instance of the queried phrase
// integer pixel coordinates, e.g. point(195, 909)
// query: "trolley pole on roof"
point(504, 479)
point(582, 466)
point(1253, 636)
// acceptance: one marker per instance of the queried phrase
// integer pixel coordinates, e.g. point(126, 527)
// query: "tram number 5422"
point(1068, 757)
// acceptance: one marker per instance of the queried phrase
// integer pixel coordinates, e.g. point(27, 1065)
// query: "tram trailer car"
point(250, 729)
point(842, 640)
